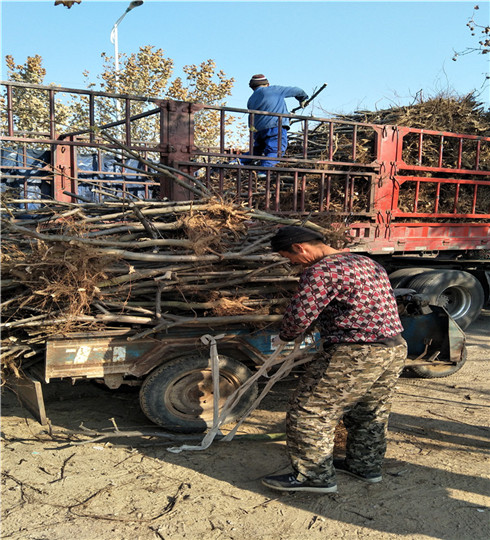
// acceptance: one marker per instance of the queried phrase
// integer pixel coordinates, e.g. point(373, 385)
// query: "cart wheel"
point(179, 394)
point(399, 278)
point(439, 371)
point(460, 293)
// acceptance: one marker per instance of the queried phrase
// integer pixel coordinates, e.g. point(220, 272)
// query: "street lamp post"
point(114, 40)
point(114, 35)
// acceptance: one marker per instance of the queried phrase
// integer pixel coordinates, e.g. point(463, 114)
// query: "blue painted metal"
point(102, 355)
point(431, 333)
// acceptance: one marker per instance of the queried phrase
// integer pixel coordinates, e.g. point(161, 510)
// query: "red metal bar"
point(64, 173)
point(222, 125)
point(443, 133)
point(127, 121)
point(321, 192)
point(389, 141)
point(91, 116)
point(303, 193)
point(267, 193)
point(238, 185)
point(421, 143)
point(330, 141)
point(436, 179)
point(221, 181)
point(444, 170)
point(52, 124)
point(277, 194)
point(279, 137)
point(10, 114)
point(208, 177)
point(346, 193)
point(250, 190)
point(295, 192)
point(327, 200)
point(251, 120)
point(351, 193)
point(177, 143)
point(305, 139)
point(13, 84)
point(477, 158)
point(354, 144)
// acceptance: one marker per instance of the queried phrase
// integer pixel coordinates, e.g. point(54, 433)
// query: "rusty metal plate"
point(93, 356)
point(30, 393)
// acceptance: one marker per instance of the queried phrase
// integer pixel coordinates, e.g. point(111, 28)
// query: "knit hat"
point(285, 237)
point(258, 80)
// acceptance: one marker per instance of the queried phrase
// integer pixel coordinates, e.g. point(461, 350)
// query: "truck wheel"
point(439, 371)
point(178, 395)
point(399, 278)
point(460, 293)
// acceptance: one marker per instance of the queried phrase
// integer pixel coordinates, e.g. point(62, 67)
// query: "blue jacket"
point(271, 99)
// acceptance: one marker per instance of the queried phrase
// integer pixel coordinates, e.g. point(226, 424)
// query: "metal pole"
point(115, 41)
point(116, 50)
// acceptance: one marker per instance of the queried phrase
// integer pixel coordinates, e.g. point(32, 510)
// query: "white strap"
point(295, 358)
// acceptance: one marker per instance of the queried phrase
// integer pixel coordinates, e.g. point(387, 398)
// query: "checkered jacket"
point(350, 298)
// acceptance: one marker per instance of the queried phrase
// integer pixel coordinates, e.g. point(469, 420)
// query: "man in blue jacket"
point(271, 131)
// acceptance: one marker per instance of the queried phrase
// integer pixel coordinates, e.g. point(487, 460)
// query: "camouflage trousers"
point(350, 382)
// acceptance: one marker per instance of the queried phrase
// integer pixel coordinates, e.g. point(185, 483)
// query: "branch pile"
point(461, 115)
point(147, 265)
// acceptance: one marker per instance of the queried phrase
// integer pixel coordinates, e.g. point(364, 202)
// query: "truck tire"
point(399, 278)
point(460, 293)
point(178, 395)
point(439, 371)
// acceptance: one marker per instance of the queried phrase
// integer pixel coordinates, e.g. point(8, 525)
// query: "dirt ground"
point(57, 485)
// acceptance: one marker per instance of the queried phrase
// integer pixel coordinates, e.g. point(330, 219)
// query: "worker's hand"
point(277, 342)
point(303, 103)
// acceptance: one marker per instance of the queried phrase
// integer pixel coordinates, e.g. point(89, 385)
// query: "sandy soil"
point(436, 481)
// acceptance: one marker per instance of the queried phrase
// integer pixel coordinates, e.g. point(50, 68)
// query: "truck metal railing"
point(398, 188)
point(454, 198)
point(442, 151)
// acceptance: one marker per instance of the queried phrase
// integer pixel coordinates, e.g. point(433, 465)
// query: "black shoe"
point(289, 482)
point(371, 478)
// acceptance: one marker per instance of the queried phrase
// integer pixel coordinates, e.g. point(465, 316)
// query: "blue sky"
point(372, 54)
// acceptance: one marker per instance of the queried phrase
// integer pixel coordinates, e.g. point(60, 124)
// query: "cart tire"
point(438, 371)
point(178, 395)
point(399, 278)
point(460, 293)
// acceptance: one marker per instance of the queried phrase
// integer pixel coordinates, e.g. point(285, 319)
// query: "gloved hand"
point(303, 103)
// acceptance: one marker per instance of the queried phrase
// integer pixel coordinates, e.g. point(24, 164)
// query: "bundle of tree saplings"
point(443, 113)
point(148, 266)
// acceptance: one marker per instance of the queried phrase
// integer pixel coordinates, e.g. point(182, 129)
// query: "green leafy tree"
point(31, 106)
point(147, 73)
point(204, 85)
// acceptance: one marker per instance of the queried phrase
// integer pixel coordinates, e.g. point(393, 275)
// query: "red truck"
point(416, 200)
